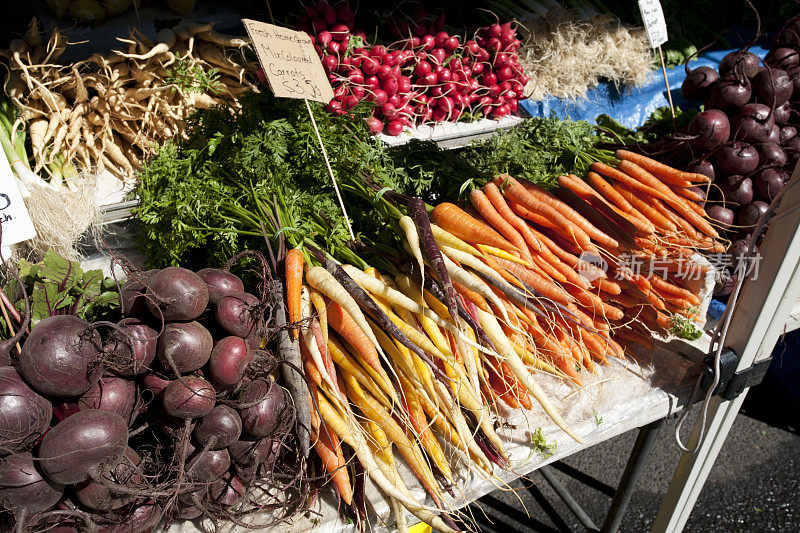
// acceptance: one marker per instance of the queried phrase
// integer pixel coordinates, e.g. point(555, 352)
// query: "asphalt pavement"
point(753, 486)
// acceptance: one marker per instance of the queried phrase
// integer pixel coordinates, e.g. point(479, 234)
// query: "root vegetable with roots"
point(147, 89)
point(218, 452)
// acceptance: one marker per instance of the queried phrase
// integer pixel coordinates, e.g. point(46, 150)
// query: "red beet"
point(61, 356)
point(177, 294)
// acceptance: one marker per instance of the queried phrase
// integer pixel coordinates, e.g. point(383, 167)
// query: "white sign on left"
point(15, 222)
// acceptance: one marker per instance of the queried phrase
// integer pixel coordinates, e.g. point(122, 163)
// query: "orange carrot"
point(493, 193)
point(514, 191)
point(621, 177)
point(650, 212)
point(312, 372)
point(606, 285)
point(471, 296)
point(665, 193)
point(637, 338)
point(455, 220)
point(548, 269)
point(578, 186)
point(666, 173)
point(341, 321)
point(570, 214)
point(528, 215)
point(674, 290)
point(540, 284)
point(294, 283)
point(482, 204)
point(688, 193)
point(618, 202)
point(329, 450)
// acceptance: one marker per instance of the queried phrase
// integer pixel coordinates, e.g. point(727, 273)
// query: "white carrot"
point(495, 332)
point(348, 430)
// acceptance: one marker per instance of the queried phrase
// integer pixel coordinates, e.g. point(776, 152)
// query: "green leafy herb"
point(57, 286)
point(684, 328)
point(194, 78)
point(540, 444)
point(597, 419)
point(237, 171)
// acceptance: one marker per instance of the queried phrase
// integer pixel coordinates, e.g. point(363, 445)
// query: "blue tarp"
point(632, 107)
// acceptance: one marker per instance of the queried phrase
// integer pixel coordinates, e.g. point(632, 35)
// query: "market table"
point(622, 396)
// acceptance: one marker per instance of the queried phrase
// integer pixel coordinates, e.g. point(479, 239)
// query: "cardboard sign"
point(290, 63)
point(14, 218)
point(654, 24)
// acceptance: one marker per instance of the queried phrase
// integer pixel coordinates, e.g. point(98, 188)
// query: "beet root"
point(235, 313)
point(177, 294)
point(101, 496)
point(25, 414)
point(113, 394)
point(229, 361)
point(189, 397)
point(186, 344)
point(134, 352)
point(269, 408)
point(219, 429)
point(61, 356)
point(220, 283)
point(87, 444)
point(22, 486)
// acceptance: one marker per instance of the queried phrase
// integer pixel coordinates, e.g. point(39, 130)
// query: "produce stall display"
point(284, 355)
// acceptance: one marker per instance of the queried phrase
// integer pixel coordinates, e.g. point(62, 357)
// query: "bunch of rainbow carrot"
point(491, 295)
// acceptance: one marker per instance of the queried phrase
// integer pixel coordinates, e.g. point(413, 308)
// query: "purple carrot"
point(289, 351)
point(366, 302)
point(431, 252)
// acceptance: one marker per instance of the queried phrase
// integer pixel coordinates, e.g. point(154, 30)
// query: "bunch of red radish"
point(424, 77)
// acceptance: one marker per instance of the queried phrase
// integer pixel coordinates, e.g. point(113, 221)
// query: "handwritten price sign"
point(15, 221)
point(290, 63)
point(654, 24)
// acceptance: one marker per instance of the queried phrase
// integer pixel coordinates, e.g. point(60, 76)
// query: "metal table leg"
point(633, 471)
point(622, 497)
point(564, 494)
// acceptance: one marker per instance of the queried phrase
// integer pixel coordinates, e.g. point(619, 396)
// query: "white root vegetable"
point(222, 39)
point(495, 332)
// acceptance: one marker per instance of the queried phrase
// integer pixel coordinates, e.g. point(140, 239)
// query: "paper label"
point(15, 221)
point(654, 24)
point(289, 61)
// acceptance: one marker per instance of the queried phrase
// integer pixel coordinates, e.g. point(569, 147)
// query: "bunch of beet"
point(428, 76)
point(171, 413)
point(746, 138)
